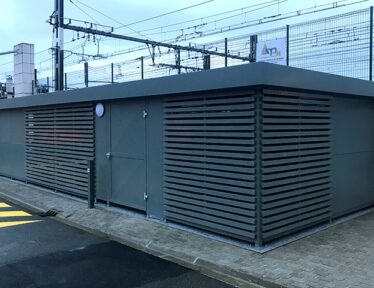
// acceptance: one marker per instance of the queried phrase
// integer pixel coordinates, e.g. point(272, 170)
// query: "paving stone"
point(341, 256)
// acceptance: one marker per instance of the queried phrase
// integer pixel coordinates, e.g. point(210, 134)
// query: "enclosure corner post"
point(371, 45)
point(258, 164)
point(288, 45)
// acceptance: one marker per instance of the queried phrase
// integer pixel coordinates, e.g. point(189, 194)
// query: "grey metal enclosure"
point(254, 152)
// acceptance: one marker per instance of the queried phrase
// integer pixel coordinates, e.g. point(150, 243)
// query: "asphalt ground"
point(39, 251)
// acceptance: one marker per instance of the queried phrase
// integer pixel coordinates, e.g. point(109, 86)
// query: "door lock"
point(108, 155)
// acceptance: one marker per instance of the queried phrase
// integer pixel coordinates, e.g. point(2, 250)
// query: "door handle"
point(108, 155)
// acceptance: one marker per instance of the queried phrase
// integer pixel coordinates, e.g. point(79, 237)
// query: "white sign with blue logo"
point(272, 51)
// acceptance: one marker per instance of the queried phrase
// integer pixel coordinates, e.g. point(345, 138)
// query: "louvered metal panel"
point(59, 141)
point(296, 161)
point(209, 162)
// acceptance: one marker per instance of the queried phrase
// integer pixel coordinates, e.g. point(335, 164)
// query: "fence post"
point(371, 45)
point(206, 64)
point(35, 82)
point(91, 184)
point(112, 69)
point(288, 45)
point(226, 50)
point(36, 76)
point(179, 61)
point(86, 73)
point(142, 67)
point(252, 54)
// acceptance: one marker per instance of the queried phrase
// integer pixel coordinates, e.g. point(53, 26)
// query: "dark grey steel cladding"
point(254, 152)
point(209, 157)
point(296, 161)
point(59, 141)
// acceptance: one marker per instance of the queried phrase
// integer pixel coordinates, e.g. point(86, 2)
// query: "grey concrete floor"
point(41, 252)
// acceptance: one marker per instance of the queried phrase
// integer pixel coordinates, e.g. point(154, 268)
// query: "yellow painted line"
point(15, 223)
point(13, 214)
point(4, 205)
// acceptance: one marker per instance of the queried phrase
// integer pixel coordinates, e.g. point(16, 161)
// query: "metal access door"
point(127, 154)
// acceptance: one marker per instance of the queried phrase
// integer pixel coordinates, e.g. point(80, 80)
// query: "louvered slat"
point(296, 161)
point(59, 141)
point(209, 169)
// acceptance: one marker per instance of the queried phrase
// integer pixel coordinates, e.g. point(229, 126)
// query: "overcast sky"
point(25, 20)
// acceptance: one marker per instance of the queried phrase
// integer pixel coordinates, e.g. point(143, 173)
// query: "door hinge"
point(145, 196)
point(145, 114)
point(108, 155)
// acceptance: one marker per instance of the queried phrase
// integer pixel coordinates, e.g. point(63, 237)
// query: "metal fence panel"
point(338, 44)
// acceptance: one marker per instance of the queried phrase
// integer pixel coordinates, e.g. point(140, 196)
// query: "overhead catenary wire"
point(243, 38)
point(164, 14)
point(245, 24)
point(84, 12)
point(242, 10)
point(147, 36)
point(132, 49)
point(271, 3)
point(324, 55)
point(259, 21)
point(144, 41)
point(158, 16)
point(109, 17)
